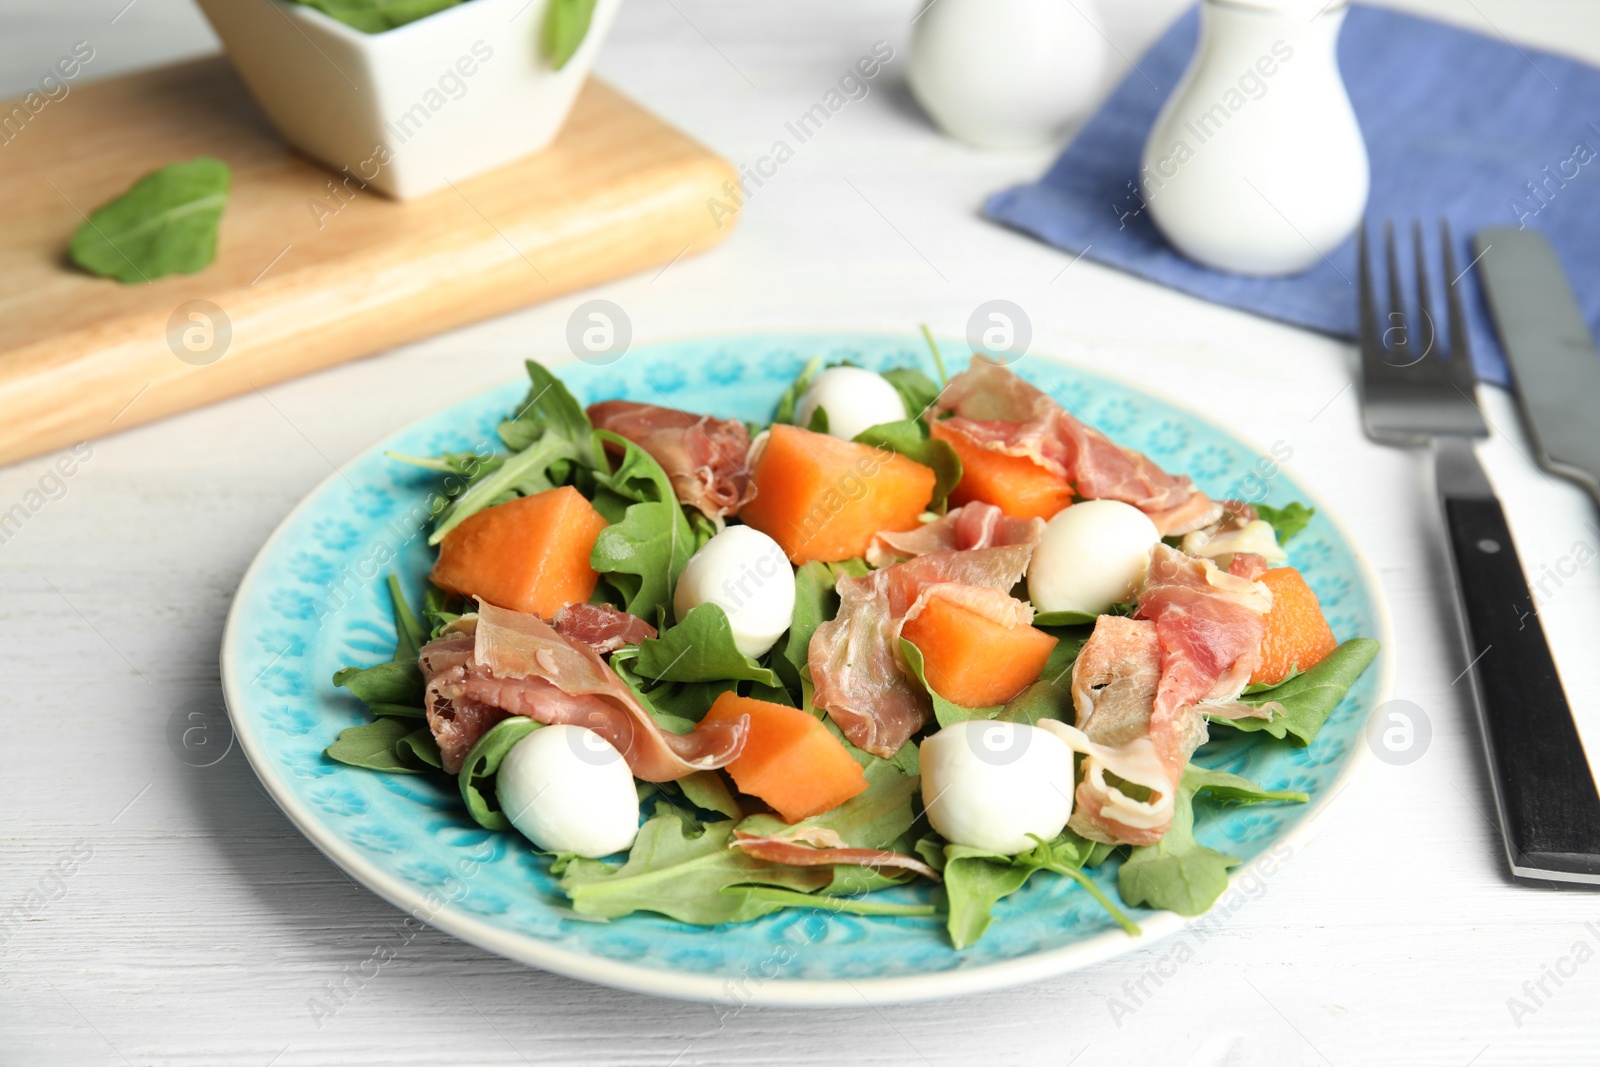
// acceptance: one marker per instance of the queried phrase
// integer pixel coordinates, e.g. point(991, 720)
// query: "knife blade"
point(1552, 355)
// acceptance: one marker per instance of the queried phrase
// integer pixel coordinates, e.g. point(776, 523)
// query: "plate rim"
point(778, 992)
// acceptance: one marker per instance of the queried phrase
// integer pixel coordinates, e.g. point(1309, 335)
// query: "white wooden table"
point(197, 924)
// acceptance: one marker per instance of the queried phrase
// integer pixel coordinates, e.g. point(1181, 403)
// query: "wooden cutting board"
point(305, 277)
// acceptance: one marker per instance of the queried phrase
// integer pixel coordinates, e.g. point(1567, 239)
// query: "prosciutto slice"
point(602, 627)
point(704, 457)
point(1142, 689)
point(794, 851)
point(512, 663)
point(974, 525)
point(855, 659)
point(993, 408)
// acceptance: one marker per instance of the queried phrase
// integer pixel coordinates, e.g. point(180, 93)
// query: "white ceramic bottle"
point(1006, 73)
point(1256, 164)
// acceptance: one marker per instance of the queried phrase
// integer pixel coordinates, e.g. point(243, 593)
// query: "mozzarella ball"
point(991, 784)
point(568, 790)
point(854, 400)
point(1093, 555)
point(746, 574)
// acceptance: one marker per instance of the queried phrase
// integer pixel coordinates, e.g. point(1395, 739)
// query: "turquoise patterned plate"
point(313, 601)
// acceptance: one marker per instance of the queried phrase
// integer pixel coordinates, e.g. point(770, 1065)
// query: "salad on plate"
point(907, 632)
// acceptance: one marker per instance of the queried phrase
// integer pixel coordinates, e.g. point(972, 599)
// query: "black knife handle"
point(1549, 807)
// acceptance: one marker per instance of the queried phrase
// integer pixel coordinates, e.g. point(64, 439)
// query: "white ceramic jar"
point(1006, 73)
point(411, 109)
point(1256, 164)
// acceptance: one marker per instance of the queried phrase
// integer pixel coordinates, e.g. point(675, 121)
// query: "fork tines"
point(1418, 378)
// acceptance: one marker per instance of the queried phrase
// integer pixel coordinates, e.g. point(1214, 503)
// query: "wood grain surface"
point(311, 270)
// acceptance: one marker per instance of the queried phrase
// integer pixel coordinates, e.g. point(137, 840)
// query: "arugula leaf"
point(375, 16)
point(436, 604)
point(797, 388)
point(700, 649)
point(483, 763)
point(550, 436)
point(679, 871)
point(675, 706)
point(1051, 696)
point(372, 746)
point(976, 880)
point(566, 24)
point(1064, 618)
point(641, 554)
point(395, 687)
point(1231, 788)
point(708, 791)
point(166, 223)
point(849, 905)
point(917, 391)
point(948, 712)
point(1287, 520)
point(419, 749)
point(909, 438)
point(815, 602)
point(1308, 698)
point(1177, 872)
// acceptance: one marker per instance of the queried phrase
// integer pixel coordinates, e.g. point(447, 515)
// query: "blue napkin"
point(1457, 124)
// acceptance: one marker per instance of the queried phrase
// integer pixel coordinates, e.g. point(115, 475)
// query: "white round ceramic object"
point(1006, 73)
point(1256, 164)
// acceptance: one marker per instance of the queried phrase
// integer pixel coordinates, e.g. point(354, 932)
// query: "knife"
point(1552, 356)
point(1553, 833)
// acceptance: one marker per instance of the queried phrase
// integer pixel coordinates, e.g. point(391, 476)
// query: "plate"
point(313, 601)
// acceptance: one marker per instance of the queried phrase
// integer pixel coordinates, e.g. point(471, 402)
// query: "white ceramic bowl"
point(409, 110)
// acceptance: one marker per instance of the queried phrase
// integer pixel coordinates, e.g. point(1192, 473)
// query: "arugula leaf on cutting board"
point(166, 223)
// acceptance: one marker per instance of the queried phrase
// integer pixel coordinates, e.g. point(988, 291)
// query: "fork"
point(1419, 391)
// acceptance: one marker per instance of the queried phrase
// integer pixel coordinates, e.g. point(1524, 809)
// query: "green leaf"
point(700, 649)
point(675, 706)
point(678, 870)
point(1177, 872)
point(976, 880)
point(849, 905)
point(1309, 697)
point(483, 763)
point(566, 23)
point(375, 16)
point(372, 745)
point(917, 391)
point(948, 712)
point(395, 687)
point(550, 435)
point(1231, 788)
point(1051, 696)
point(419, 749)
point(1064, 618)
point(910, 439)
point(642, 554)
point(797, 388)
point(166, 223)
point(709, 791)
point(1287, 520)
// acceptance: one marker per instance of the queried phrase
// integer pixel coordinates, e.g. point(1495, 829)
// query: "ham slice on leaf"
point(1142, 688)
point(602, 627)
point(855, 659)
point(704, 457)
point(501, 663)
point(974, 525)
point(992, 408)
